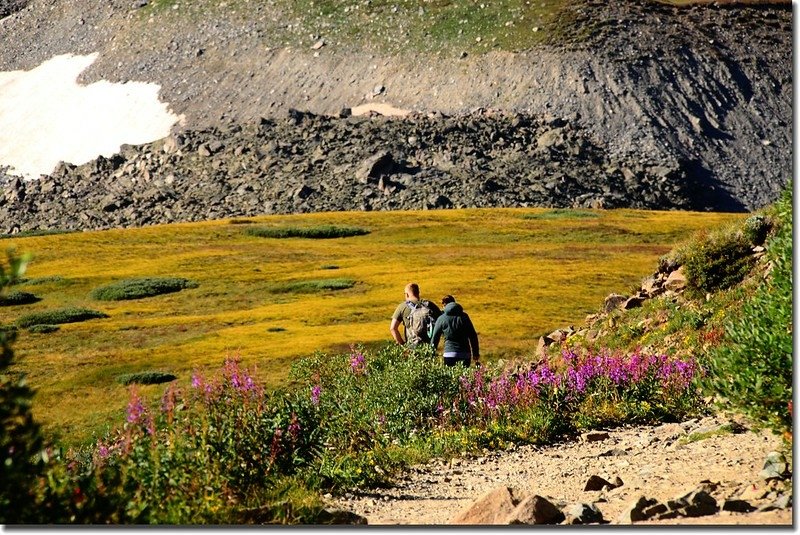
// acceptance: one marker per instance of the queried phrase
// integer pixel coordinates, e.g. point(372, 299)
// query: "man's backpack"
point(420, 322)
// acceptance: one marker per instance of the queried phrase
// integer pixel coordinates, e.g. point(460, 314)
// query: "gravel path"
point(657, 462)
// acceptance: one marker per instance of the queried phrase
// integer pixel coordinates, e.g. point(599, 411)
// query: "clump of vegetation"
point(145, 378)
point(141, 287)
point(43, 328)
point(276, 329)
point(241, 222)
point(563, 213)
point(752, 367)
point(312, 286)
point(59, 316)
point(329, 266)
point(717, 261)
point(17, 298)
point(317, 232)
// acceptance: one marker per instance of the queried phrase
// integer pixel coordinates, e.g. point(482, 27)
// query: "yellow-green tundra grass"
point(519, 273)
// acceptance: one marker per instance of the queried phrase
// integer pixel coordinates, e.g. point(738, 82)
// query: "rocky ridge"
point(309, 163)
point(704, 92)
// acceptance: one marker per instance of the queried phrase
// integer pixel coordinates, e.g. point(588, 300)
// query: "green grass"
point(145, 378)
point(515, 275)
point(59, 316)
point(562, 213)
point(723, 430)
point(401, 27)
point(29, 233)
point(141, 287)
point(43, 328)
point(321, 232)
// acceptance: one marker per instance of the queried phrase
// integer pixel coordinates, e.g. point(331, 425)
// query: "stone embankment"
point(312, 163)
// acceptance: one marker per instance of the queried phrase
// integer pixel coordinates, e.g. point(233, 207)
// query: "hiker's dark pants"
point(453, 358)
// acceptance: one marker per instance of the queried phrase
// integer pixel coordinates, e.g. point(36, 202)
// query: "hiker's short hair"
point(413, 289)
point(448, 299)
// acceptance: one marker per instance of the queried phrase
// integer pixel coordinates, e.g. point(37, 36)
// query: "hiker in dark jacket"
point(460, 338)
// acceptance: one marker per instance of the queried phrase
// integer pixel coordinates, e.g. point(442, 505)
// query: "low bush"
point(756, 228)
point(145, 378)
point(752, 368)
point(141, 287)
point(312, 286)
point(717, 262)
point(563, 213)
point(18, 298)
point(59, 316)
point(318, 232)
point(43, 328)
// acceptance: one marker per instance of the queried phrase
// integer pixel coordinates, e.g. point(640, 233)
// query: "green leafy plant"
point(318, 232)
point(59, 316)
point(752, 368)
point(21, 441)
point(141, 287)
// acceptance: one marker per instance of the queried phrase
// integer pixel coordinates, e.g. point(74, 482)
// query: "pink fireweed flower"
point(275, 448)
point(136, 409)
point(294, 428)
point(357, 362)
point(316, 390)
point(103, 451)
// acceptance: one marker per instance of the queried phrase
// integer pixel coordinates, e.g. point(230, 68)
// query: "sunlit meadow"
point(519, 273)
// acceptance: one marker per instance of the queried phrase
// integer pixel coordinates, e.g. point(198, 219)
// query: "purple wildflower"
point(316, 390)
point(357, 362)
point(136, 409)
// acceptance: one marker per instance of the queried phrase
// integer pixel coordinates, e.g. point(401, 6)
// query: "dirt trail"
point(656, 462)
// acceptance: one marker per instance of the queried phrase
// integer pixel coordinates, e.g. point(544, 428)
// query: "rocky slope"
point(695, 103)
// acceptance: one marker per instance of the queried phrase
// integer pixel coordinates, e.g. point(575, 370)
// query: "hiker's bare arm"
point(393, 328)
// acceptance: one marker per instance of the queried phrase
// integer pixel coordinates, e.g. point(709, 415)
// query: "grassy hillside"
point(425, 26)
point(519, 273)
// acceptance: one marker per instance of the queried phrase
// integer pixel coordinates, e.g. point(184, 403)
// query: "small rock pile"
point(312, 163)
point(669, 281)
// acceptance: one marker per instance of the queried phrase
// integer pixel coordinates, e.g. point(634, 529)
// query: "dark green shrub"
point(58, 316)
point(563, 213)
point(753, 367)
point(139, 288)
point(21, 441)
point(756, 228)
point(18, 298)
point(318, 232)
point(312, 286)
point(717, 262)
point(145, 378)
point(43, 328)
point(329, 266)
